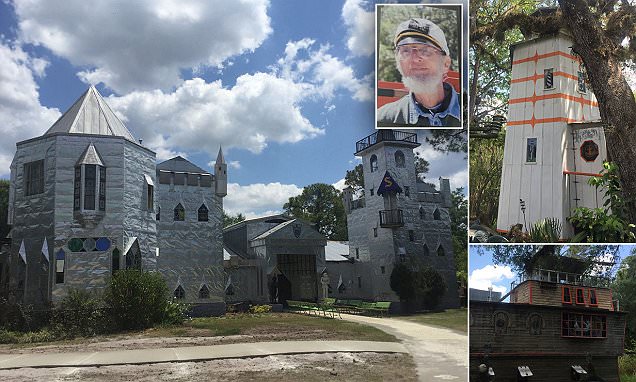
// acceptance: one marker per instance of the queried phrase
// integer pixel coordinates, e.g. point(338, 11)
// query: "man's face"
point(422, 66)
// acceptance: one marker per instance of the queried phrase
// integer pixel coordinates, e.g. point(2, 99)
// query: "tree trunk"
point(615, 98)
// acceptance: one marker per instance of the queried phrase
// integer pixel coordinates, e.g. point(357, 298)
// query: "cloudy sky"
point(284, 86)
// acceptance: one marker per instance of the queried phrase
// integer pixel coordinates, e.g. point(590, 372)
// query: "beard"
point(422, 83)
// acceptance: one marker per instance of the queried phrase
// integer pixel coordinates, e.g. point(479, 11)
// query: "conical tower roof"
point(90, 114)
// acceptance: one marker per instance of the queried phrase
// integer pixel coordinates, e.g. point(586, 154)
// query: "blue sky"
point(284, 86)
point(482, 272)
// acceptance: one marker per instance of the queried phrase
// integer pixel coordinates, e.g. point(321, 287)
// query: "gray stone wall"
point(190, 251)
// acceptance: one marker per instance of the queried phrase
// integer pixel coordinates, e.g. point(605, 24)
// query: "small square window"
point(548, 78)
point(531, 150)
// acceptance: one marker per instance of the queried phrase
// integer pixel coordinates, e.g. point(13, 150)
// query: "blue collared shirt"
point(434, 119)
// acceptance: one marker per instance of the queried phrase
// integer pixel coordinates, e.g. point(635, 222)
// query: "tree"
point(624, 289)
point(355, 179)
point(421, 168)
point(417, 285)
point(320, 204)
point(486, 161)
point(232, 219)
point(459, 223)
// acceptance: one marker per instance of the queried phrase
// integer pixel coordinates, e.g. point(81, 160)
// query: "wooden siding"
point(550, 294)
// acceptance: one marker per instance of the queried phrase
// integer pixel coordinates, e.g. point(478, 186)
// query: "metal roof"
point(337, 251)
point(90, 114)
point(180, 164)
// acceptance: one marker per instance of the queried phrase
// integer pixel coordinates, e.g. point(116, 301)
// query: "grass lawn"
point(455, 319)
point(275, 326)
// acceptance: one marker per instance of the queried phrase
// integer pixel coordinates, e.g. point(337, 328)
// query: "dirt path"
point(440, 354)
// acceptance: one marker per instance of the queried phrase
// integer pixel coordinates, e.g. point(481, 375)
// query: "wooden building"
point(554, 138)
point(557, 327)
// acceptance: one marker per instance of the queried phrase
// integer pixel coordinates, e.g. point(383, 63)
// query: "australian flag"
point(388, 185)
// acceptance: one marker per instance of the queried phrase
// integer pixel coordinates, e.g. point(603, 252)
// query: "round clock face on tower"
point(589, 151)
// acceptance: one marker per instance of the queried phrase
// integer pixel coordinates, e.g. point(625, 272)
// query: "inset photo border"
point(419, 66)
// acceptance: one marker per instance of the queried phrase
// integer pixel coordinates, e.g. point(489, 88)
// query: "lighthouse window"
point(374, 163)
point(399, 159)
point(548, 78)
point(531, 150)
point(581, 81)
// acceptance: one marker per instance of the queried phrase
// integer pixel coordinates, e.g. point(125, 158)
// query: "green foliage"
point(624, 289)
point(258, 309)
point(320, 204)
point(627, 367)
point(607, 224)
point(9, 337)
point(417, 283)
point(546, 231)
point(459, 223)
point(137, 300)
point(174, 313)
point(81, 313)
point(355, 179)
point(232, 219)
point(486, 161)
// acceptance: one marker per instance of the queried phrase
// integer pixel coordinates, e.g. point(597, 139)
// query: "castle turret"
point(220, 174)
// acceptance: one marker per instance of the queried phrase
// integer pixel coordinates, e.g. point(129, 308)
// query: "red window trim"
point(569, 292)
point(576, 295)
point(581, 330)
point(589, 297)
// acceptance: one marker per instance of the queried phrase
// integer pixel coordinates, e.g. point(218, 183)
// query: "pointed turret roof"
point(219, 158)
point(90, 114)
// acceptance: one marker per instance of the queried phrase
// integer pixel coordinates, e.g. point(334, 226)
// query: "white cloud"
point(258, 199)
point(360, 27)
point(143, 44)
point(459, 179)
point(198, 116)
point(21, 114)
point(427, 152)
point(499, 277)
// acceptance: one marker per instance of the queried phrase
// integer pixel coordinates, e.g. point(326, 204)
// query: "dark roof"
point(179, 164)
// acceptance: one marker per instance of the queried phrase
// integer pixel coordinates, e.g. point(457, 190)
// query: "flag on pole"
point(45, 250)
point(22, 252)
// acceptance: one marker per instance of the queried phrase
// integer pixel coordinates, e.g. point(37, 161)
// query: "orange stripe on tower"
point(541, 120)
point(537, 57)
point(536, 98)
point(540, 76)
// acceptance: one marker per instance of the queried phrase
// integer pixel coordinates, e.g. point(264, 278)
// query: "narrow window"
point(399, 158)
point(422, 213)
point(102, 188)
point(440, 251)
point(90, 179)
point(357, 253)
point(179, 293)
point(77, 189)
point(115, 260)
point(382, 270)
point(359, 282)
point(179, 213)
point(566, 295)
point(581, 81)
point(426, 250)
point(372, 191)
point(204, 292)
point(592, 297)
point(580, 296)
point(375, 231)
point(407, 191)
point(437, 215)
point(60, 258)
point(411, 235)
point(34, 177)
point(150, 198)
point(548, 78)
point(158, 213)
point(374, 163)
point(531, 150)
point(203, 213)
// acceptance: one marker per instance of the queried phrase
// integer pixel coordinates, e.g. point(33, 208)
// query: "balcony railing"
point(391, 218)
point(560, 277)
point(385, 135)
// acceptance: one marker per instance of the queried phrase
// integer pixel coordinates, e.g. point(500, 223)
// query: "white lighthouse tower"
point(554, 139)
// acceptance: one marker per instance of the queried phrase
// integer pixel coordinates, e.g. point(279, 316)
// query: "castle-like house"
point(82, 206)
point(554, 140)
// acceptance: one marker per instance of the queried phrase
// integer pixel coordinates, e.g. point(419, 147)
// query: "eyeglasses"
point(425, 51)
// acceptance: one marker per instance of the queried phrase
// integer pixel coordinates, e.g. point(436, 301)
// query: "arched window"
point(179, 293)
point(399, 159)
point(89, 190)
point(179, 213)
point(437, 215)
point(422, 213)
point(203, 213)
point(440, 251)
point(204, 292)
point(115, 260)
point(426, 250)
point(374, 163)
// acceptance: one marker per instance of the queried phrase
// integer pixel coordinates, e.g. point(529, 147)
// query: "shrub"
point(174, 313)
point(136, 299)
point(547, 230)
point(256, 309)
point(417, 282)
point(81, 313)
